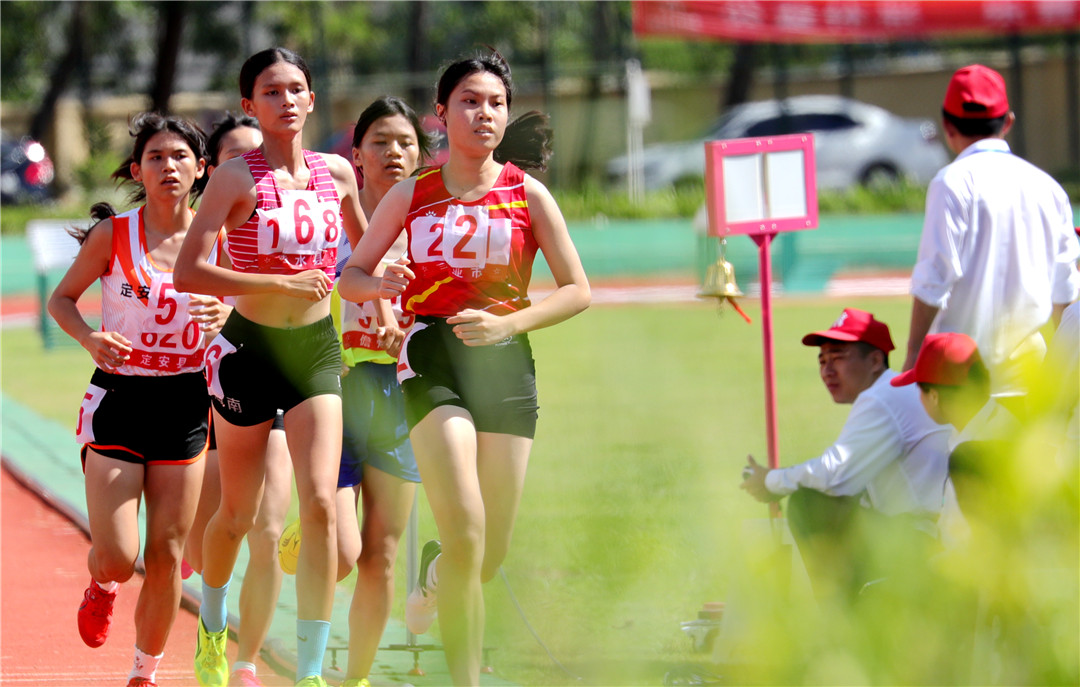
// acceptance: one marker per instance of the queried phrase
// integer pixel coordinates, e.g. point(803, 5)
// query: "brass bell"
point(720, 281)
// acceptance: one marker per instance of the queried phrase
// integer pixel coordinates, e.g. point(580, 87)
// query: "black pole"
point(1072, 97)
point(780, 73)
point(1016, 95)
point(847, 73)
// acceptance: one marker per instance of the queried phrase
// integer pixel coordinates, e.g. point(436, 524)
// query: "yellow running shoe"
point(211, 665)
point(312, 681)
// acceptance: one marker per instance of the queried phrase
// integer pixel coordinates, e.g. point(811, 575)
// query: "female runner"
point(466, 367)
point(233, 136)
point(283, 209)
point(143, 420)
point(377, 462)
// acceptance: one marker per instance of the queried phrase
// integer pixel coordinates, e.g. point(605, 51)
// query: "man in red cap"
point(887, 469)
point(1021, 508)
point(998, 253)
point(954, 387)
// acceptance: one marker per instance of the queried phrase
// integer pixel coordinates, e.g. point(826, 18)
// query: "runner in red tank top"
point(278, 349)
point(466, 368)
point(143, 420)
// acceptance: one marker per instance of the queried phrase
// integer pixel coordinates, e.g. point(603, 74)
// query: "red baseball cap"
point(854, 325)
point(944, 359)
point(976, 92)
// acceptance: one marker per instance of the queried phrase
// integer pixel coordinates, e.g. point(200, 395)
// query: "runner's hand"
point(108, 349)
point(395, 278)
point(390, 339)
point(312, 285)
point(210, 313)
point(480, 328)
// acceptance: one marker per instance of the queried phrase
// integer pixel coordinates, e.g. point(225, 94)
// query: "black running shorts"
point(496, 384)
point(147, 420)
point(253, 370)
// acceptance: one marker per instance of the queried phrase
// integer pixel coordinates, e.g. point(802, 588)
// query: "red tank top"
point(290, 231)
point(476, 254)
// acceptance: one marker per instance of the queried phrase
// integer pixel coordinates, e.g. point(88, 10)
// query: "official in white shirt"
point(998, 253)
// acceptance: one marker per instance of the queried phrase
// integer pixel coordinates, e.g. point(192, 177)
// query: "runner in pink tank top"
point(278, 349)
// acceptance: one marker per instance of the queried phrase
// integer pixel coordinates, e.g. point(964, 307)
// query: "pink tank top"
point(290, 231)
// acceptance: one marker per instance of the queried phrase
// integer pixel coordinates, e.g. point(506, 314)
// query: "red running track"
point(42, 578)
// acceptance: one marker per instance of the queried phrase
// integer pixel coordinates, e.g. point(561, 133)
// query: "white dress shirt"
point(998, 249)
point(889, 451)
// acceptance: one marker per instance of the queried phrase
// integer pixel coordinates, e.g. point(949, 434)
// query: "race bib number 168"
point(303, 225)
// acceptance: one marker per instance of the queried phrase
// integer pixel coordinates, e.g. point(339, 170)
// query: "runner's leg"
point(445, 446)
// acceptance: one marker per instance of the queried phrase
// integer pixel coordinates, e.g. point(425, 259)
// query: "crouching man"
point(860, 508)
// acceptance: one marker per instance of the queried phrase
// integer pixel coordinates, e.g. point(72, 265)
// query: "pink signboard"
point(761, 185)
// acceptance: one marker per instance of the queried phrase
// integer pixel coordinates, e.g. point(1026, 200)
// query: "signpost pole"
point(772, 435)
point(761, 187)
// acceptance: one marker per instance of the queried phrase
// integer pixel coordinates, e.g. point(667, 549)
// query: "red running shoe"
point(244, 678)
point(141, 682)
point(95, 615)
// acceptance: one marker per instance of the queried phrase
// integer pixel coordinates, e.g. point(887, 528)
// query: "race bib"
point(360, 323)
point(404, 368)
point(303, 233)
point(84, 429)
point(218, 349)
point(466, 239)
point(169, 340)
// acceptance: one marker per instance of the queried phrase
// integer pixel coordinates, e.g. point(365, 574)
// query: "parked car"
point(26, 172)
point(854, 143)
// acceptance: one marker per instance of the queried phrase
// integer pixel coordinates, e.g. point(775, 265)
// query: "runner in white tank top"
point(143, 421)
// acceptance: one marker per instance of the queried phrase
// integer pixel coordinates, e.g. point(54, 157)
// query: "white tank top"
point(139, 302)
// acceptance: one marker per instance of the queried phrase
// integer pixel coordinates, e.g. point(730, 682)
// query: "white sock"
point(108, 587)
point(432, 575)
point(243, 665)
point(145, 665)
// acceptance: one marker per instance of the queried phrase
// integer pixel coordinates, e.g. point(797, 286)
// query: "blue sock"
point(311, 637)
point(213, 610)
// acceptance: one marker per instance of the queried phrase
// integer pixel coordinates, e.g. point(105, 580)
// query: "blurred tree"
point(220, 32)
point(170, 30)
point(24, 64)
point(603, 23)
point(742, 75)
point(418, 48)
point(61, 72)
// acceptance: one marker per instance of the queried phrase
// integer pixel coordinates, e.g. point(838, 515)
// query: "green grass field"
point(631, 510)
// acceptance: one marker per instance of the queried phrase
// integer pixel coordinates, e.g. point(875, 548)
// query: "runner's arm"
point(108, 349)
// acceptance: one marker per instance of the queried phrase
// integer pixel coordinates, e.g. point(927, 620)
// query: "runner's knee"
point(111, 564)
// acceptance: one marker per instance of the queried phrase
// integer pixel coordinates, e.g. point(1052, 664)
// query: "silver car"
point(854, 143)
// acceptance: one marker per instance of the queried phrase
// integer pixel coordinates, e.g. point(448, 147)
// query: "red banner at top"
point(846, 21)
